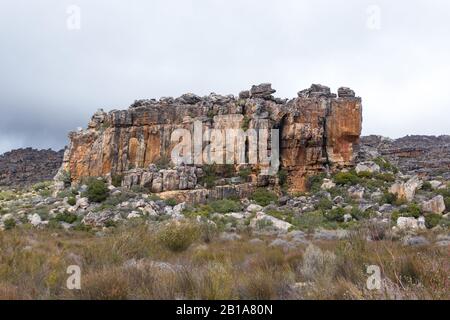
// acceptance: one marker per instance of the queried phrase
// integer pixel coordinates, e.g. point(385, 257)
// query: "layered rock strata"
point(317, 131)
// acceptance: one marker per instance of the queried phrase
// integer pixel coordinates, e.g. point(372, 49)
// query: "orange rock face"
point(317, 132)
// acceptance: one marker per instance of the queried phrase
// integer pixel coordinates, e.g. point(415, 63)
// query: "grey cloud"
point(52, 79)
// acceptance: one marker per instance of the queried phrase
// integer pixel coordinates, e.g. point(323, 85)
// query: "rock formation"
point(423, 155)
point(317, 131)
point(28, 166)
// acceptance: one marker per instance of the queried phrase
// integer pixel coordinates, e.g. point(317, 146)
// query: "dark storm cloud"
point(52, 79)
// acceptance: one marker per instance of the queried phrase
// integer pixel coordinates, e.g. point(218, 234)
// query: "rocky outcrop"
point(24, 167)
point(317, 131)
point(416, 155)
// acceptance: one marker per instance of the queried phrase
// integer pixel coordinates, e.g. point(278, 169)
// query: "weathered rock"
point(274, 222)
point(405, 223)
point(415, 241)
point(435, 205)
point(345, 92)
point(367, 166)
point(406, 190)
point(24, 167)
point(262, 91)
point(328, 184)
point(316, 130)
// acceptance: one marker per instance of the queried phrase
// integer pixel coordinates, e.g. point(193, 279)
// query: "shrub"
point(317, 264)
point(42, 186)
point(9, 224)
point(245, 173)
point(163, 162)
point(432, 220)
point(385, 165)
point(209, 178)
point(388, 198)
point(225, 206)
point(335, 215)
point(427, 186)
point(387, 177)
point(313, 183)
point(171, 202)
point(325, 204)
point(264, 197)
point(365, 174)
point(97, 190)
point(245, 123)
point(177, 236)
point(198, 211)
point(72, 201)
point(282, 177)
point(66, 217)
point(447, 203)
point(116, 180)
point(346, 178)
point(413, 210)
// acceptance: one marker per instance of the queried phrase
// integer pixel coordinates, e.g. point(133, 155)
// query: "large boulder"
point(368, 166)
point(406, 190)
point(435, 205)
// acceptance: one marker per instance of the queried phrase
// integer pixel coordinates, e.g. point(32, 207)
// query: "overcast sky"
point(53, 76)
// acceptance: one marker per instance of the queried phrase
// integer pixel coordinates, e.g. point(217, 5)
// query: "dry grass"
point(135, 263)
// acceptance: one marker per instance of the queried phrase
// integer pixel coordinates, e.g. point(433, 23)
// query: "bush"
point(388, 198)
point(447, 203)
point(386, 177)
point(282, 177)
point(72, 201)
point(335, 215)
point(346, 178)
point(427, 186)
point(385, 165)
point(264, 197)
point(171, 202)
point(9, 224)
point(116, 180)
point(325, 204)
point(318, 264)
point(413, 210)
point(97, 190)
point(313, 183)
point(177, 236)
point(42, 186)
point(245, 123)
point(66, 217)
point(245, 173)
point(432, 220)
point(225, 206)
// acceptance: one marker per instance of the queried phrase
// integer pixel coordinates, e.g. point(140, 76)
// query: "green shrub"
point(309, 220)
point(163, 162)
point(171, 202)
point(386, 177)
point(427, 186)
point(245, 173)
point(177, 236)
point(97, 190)
point(388, 198)
point(447, 203)
point(432, 220)
point(413, 210)
point(313, 183)
point(72, 201)
point(66, 217)
point(264, 197)
point(282, 177)
point(359, 214)
point(42, 186)
point(245, 123)
point(335, 215)
point(116, 180)
point(225, 206)
point(346, 178)
point(385, 165)
point(325, 204)
point(198, 211)
point(365, 175)
point(9, 224)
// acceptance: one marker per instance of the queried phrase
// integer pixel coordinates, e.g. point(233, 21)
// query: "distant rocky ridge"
point(416, 154)
point(24, 167)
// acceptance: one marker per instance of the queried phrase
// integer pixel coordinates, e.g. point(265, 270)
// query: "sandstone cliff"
point(317, 130)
